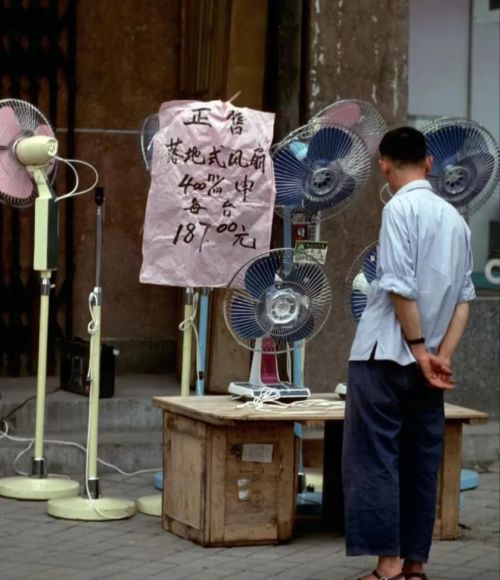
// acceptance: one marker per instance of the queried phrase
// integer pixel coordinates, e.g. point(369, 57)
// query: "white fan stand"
point(91, 506)
point(35, 153)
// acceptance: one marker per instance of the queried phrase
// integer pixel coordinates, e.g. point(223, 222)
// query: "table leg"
point(446, 527)
point(333, 495)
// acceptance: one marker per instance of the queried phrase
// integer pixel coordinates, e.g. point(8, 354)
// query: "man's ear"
point(428, 164)
point(384, 166)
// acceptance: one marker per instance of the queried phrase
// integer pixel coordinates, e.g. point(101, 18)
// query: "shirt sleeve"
point(397, 270)
point(467, 290)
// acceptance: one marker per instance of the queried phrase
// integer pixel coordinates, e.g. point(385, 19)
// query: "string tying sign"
point(210, 204)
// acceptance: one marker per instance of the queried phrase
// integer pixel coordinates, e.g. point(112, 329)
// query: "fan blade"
point(15, 182)
point(45, 130)
point(369, 267)
point(346, 113)
point(444, 143)
point(299, 149)
point(327, 145)
point(334, 198)
point(289, 173)
point(308, 279)
point(9, 126)
point(260, 275)
point(243, 318)
point(302, 328)
point(358, 304)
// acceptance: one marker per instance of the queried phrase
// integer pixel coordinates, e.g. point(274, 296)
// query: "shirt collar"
point(417, 184)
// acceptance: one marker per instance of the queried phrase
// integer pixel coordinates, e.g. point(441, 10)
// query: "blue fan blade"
point(333, 199)
point(305, 277)
point(243, 318)
point(444, 144)
point(370, 265)
point(299, 149)
point(358, 304)
point(328, 144)
point(303, 327)
point(289, 174)
point(260, 275)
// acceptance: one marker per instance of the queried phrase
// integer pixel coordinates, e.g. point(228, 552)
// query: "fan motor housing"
point(38, 150)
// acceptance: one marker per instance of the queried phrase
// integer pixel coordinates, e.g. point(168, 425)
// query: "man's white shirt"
point(424, 254)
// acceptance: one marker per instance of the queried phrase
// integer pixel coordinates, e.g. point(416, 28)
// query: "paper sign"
point(210, 204)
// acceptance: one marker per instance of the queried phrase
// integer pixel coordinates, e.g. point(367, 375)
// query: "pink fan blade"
point(346, 114)
point(9, 126)
point(14, 179)
point(44, 130)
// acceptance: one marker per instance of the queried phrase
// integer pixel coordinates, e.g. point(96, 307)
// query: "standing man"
point(399, 366)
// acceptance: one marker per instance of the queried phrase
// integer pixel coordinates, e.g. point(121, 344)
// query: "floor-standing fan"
point(151, 504)
point(27, 154)
point(466, 162)
point(91, 506)
point(319, 170)
point(150, 128)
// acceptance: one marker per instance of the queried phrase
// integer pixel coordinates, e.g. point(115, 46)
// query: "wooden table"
point(230, 474)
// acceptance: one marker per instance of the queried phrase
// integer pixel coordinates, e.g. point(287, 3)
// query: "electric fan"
point(273, 305)
point(319, 170)
point(150, 126)
point(361, 275)
point(91, 506)
point(465, 162)
point(28, 150)
point(362, 117)
point(358, 281)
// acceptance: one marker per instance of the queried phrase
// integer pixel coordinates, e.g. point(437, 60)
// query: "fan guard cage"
point(360, 116)
point(150, 126)
point(26, 121)
point(466, 162)
point(319, 170)
point(361, 275)
point(271, 297)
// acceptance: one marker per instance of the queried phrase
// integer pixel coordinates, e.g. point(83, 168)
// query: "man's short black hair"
point(405, 145)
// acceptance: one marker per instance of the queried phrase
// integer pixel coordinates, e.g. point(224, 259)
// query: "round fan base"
point(91, 510)
point(150, 505)
point(33, 488)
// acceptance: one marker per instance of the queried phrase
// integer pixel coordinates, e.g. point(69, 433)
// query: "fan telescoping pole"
point(187, 336)
point(38, 485)
point(91, 507)
point(202, 341)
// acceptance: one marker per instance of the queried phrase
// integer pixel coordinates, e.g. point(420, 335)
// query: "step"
point(130, 451)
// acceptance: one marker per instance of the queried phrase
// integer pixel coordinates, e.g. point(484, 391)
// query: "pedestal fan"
point(91, 506)
point(28, 151)
point(320, 169)
point(466, 162)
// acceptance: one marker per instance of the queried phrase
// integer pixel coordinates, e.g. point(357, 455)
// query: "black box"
point(75, 365)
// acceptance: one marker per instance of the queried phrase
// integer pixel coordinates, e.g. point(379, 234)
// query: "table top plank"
point(225, 410)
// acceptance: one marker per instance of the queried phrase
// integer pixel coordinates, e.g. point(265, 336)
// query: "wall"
point(127, 63)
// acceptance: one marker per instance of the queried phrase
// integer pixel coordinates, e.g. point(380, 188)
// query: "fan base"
point(33, 488)
point(286, 390)
point(150, 505)
point(91, 510)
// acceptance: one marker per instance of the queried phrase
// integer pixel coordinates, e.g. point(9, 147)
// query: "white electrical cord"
point(5, 434)
point(73, 192)
point(268, 401)
point(189, 322)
